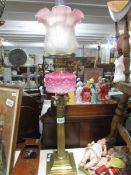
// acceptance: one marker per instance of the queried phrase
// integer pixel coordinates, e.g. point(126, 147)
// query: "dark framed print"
point(93, 73)
point(10, 102)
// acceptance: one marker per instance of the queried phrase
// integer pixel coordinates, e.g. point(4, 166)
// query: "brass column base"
point(61, 166)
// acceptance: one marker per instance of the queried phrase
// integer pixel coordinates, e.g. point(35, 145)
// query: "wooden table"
point(43, 155)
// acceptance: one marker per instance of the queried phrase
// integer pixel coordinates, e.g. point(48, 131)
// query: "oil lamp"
point(60, 42)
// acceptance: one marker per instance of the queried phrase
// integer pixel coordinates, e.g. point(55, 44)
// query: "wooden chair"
point(125, 87)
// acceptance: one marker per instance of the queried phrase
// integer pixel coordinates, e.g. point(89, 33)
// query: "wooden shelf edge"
point(124, 87)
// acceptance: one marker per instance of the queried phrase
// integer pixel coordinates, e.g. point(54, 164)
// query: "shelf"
point(24, 76)
point(26, 65)
point(33, 75)
point(17, 76)
point(124, 87)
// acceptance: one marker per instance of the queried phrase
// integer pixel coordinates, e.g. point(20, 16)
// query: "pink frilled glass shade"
point(60, 82)
point(60, 29)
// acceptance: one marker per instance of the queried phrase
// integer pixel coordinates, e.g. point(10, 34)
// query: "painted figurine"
point(103, 90)
point(94, 94)
point(93, 154)
point(119, 70)
point(79, 87)
point(71, 98)
point(86, 93)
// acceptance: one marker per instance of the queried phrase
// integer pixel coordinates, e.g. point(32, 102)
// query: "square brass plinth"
point(61, 166)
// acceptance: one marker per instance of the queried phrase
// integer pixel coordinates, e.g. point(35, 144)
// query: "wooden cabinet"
point(83, 124)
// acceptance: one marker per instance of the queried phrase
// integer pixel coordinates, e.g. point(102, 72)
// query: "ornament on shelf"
point(79, 87)
point(86, 93)
point(119, 70)
point(103, 90)
point(94, 93)
point(93, 154)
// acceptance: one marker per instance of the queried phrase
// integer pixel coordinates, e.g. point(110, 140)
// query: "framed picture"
point(93, 73)
point(48, 64)
point(10, 102)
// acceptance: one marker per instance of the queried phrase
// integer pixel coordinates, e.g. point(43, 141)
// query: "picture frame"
point(93, 73)
point(48, 63)
point(10, 103)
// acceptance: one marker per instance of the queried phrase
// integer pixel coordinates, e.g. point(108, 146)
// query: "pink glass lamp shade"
point(60, 29)
point(60, 82)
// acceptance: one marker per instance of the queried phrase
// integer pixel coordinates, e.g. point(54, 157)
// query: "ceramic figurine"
point(119, 70)
point(71, 98)
point(94, 94)
point(79, 82)
point(103, 90)
point(100, 80)
point(79, 87)
point(93, 153)
point(78, 94)
point(86, 93)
